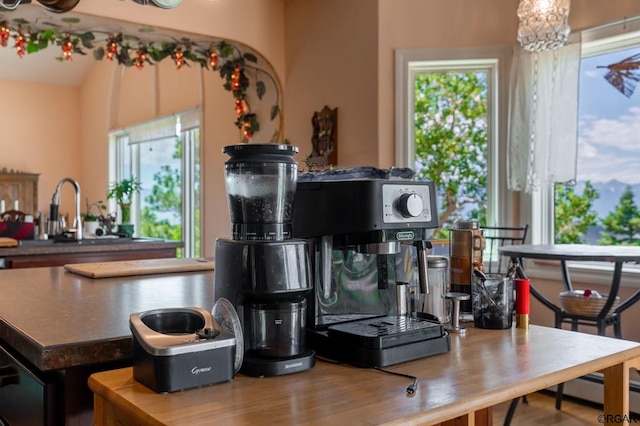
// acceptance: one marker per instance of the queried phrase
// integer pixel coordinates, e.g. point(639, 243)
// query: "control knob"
point(410, 205)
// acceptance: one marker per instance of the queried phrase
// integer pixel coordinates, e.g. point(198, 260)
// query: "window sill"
point(584, 272)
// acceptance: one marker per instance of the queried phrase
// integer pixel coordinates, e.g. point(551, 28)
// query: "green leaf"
point(32, 47)
point(226, 50)
point(86, 39)
point(98, 53)
point(159, 55)
point(250, 57)
point(260, 89)
point(275, 110)
point(50, 34)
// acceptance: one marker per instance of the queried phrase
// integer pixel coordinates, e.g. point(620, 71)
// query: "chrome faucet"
point(55, 204)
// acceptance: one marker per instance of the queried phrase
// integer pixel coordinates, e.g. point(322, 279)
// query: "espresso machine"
point(261, 269)
point(363, 309)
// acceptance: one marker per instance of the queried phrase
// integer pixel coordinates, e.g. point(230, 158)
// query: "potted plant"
point(122, 192)
point(92, 219)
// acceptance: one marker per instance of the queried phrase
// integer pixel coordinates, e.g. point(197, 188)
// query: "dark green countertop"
point(34, 247)
point(56, 319)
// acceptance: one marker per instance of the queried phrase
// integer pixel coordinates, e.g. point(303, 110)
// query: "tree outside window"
point(451, 142)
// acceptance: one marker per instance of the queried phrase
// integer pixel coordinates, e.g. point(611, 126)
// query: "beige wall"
point(331, 60)
point(41, 133)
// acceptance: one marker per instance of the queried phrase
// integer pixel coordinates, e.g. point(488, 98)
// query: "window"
point(608, 154)
point(593, 159)
point(486, 70)
point(164, 155)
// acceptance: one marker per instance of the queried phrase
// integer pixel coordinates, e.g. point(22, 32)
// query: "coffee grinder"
point(360, 310)
point(261, 269)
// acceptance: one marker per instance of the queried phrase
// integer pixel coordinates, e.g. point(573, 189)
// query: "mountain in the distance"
point(610, 193)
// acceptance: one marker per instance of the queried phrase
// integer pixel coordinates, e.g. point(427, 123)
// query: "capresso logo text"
point(197, 370)
point(294, 365)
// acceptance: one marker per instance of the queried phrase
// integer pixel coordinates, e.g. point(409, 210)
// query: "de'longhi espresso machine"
point(261, 269)
point(363, 309)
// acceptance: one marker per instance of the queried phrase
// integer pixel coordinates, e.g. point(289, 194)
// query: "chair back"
point(498, 236)
point(12, 216)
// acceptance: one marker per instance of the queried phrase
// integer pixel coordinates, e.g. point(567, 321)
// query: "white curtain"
point(543, 118)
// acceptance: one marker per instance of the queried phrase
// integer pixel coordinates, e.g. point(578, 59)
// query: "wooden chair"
point(12, 216)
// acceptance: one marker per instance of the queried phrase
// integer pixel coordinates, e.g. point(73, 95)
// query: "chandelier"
point(544, 24)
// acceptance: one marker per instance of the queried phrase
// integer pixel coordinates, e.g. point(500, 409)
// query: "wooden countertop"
point(56, 319)
point(483, 368)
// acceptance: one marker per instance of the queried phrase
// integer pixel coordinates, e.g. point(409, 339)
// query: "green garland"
point(129, 51)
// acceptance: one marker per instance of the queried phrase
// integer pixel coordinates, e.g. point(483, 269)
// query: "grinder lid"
point(227, 317)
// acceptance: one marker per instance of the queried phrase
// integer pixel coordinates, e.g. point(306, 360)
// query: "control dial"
point(410, 205)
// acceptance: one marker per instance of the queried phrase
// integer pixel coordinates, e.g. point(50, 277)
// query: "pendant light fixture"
point(544, 24)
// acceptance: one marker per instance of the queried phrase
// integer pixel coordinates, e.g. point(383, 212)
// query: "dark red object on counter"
point(522, 302)
point(18, 230)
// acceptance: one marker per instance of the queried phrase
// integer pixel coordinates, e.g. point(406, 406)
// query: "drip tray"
point(386, 332)
point(381, 341)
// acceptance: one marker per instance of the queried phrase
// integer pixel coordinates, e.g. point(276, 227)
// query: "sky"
point(609, 124)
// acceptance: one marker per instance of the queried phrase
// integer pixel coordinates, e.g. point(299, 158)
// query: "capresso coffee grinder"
point(360, 309)
point(261, 269)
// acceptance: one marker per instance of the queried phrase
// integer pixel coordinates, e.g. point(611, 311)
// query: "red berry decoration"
point(112, 49)
point(20, 45)
point(4, 35)
point(587, 293)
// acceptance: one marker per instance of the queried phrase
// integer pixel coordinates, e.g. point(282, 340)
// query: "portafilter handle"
point(421, 253)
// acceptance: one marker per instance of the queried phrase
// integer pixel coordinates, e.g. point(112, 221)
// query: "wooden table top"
point(575, 252)
point(483, 368)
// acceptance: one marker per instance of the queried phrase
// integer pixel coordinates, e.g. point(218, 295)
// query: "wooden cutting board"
point(139, 267)
point(8, 242)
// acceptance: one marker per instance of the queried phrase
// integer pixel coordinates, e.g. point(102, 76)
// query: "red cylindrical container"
point(522, 302)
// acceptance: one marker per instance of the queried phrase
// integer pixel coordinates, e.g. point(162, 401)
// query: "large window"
point(451, 128)
point(601, 207)
point(164, 156)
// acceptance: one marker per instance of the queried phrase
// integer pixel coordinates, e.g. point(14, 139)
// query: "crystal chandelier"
point(544, 24)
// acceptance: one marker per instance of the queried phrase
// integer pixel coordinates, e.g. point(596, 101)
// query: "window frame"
point(494, 60)
point(119, 161)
